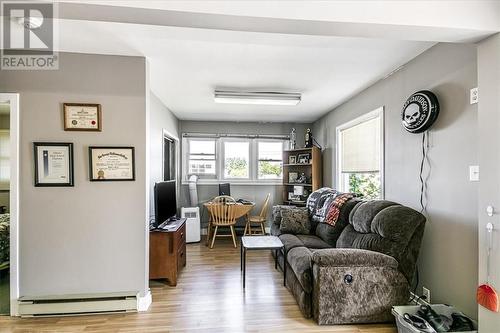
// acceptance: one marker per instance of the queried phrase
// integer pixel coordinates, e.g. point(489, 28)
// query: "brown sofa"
point(357, 270)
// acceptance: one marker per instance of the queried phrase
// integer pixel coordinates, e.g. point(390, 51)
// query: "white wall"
point(91, 237)
point(161, 118)
point(448, 257)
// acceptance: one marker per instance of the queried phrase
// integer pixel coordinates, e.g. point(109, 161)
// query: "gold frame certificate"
point(82, 117)
point(111, 163)
point(53, 164)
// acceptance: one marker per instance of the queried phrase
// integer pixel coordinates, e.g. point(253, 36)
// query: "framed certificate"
point(82, 117)
point(111, 163)
point(53, 164)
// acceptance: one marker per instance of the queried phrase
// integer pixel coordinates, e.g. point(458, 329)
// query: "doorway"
point(169, 156)
point(9, 181)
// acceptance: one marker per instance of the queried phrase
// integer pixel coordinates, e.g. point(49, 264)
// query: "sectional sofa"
point(357, 269)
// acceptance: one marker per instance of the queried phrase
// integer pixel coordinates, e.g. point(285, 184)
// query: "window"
point(236, 159)
point(4, 159)
point(360, 155)
point(202, 158)
point(270, 158)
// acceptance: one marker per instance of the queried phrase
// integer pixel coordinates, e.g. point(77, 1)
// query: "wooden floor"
point(208, 298)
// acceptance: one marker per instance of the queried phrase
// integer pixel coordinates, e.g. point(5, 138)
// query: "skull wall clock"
point(420, 111)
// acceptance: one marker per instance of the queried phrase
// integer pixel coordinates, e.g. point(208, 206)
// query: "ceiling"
point(194, 48)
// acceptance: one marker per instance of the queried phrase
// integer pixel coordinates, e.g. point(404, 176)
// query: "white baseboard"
point(143, 302)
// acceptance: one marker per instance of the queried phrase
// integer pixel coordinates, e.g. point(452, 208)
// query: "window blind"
point(4, 159)
point(360, 150)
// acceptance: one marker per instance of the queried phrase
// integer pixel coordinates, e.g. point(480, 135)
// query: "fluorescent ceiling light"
point(256, 97)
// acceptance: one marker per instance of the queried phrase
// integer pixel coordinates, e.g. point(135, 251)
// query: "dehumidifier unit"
point(192, 215)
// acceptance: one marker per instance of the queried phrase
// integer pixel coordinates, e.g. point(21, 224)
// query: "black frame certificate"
point(111, 164)
point(53, 164)
point(82, 117)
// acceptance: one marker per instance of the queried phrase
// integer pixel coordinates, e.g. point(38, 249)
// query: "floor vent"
point(70, 305)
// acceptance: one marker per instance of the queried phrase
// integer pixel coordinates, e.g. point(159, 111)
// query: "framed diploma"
point(53, 164)
point(82, 117)
point(111, 163)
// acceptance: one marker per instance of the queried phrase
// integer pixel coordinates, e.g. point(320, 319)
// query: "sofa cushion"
point(276, 217)
point(300, 261)
point(295, 221)
point(290, 241)
point(313, 242)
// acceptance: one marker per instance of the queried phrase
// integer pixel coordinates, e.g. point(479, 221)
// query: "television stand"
point(167, 251)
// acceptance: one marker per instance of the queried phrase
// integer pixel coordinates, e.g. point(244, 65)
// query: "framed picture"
point(53, 164)
point(82, 117)
point(292, 159)
point(303, 159)
point(111, 163)
point(292, 177)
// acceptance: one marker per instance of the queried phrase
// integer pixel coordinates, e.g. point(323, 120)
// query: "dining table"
point(241, 210)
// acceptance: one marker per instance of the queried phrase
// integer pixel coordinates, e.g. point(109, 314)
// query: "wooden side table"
point(167, 252)
point(261, 243)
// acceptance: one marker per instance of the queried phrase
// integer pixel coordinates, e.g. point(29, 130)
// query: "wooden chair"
point(223, 215)
point(220, 199)
point(260, 219)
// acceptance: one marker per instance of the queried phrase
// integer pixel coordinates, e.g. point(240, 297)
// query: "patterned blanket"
point(324, 205)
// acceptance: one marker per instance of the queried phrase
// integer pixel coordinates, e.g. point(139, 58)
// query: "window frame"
point(186, 159)
point(257, 160)
point(220, 160)
point(377, 113)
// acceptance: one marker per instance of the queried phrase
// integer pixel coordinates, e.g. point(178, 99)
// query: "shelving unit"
point(312, 171)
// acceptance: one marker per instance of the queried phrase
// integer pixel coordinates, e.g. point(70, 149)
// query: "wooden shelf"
point(297, 150)
point(312, 170)
point(301, 203)
point(297, 164)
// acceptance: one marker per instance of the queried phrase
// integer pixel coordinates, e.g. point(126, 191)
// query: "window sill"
point(257, 183)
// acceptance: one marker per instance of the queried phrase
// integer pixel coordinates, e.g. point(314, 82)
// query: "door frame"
point(13, 100)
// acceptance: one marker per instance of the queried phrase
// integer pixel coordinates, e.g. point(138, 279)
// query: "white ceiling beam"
point(366, 28)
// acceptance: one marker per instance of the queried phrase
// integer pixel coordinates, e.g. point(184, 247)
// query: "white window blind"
point(360, 147)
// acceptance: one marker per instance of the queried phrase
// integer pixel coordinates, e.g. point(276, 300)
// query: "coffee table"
point(261, 243)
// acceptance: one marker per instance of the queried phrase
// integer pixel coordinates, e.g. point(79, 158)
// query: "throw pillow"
point(295, 221)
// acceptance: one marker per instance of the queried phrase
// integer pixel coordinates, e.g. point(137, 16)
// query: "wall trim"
point(144, 302)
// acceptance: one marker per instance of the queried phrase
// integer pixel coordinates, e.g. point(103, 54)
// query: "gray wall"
point(161, 118)
point(489, 156)
point(256, 193)
point(448, 259)
point(91, 237)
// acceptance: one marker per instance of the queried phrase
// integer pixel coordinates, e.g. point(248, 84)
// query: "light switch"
point(474, 173)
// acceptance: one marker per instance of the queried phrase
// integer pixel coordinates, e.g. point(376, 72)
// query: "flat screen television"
point(165, 201)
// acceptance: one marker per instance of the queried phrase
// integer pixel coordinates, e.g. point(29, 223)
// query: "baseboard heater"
point(81, 304)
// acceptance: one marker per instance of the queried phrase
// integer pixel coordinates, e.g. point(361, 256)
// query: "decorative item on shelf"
point(303, 158)
point(53, 164)
point(292, 177)
point(292, 159)
point(293, 139)
point(291, 196)
point(298, 190)
point(82, 117)
point(111, 163)
point(306, 192)
point(302, 179)
point(308, 139)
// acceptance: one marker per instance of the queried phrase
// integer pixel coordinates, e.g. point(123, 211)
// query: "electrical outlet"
point(427, 293)
point(474, 95)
